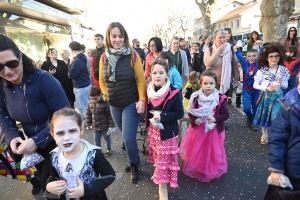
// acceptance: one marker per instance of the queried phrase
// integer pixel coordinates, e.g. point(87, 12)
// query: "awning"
point(71, 7)
point(23, 23)
point(35, 10)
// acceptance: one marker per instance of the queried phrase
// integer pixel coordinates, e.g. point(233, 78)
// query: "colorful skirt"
point(203, 153)
point(267, 109)
point(163, 153)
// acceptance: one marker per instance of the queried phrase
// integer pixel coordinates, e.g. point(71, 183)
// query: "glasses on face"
point(292, 30)
point(272, 57)
point(12, 64)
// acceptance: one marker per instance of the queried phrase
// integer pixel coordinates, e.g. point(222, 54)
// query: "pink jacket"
point(149, 60)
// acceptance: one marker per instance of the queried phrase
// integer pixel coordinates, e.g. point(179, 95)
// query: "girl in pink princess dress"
point(202, 148)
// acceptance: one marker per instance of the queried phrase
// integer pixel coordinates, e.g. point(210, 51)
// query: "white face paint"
point(66, 133)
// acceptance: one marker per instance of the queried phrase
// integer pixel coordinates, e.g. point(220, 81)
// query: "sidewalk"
point(246, 177)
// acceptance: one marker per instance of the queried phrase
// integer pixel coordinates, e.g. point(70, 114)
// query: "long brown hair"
point(251, 39)
point(108, 43)
point(295, 36)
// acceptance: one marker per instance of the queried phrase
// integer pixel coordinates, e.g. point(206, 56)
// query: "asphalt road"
point(245, 180)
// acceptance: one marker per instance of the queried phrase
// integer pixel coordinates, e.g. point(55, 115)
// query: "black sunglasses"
point(10, 64)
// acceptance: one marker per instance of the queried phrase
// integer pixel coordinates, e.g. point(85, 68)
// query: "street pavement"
point(245, 179)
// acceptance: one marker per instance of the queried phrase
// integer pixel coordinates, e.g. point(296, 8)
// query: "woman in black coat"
point(59, 70)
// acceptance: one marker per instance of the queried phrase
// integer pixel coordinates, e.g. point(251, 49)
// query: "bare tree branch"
point(205, 7)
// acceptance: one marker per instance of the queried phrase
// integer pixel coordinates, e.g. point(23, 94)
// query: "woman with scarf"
point(123, 85)
point(180, 60)
point(220, 59)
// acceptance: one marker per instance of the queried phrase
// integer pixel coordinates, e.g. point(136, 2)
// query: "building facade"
point(242, 20)
point(36, 26)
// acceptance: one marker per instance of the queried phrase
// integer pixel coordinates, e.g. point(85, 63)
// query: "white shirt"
point(263, 77)
point(75, 165)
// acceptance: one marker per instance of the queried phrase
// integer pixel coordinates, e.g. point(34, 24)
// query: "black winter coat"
point(98, 115)
point(96, 56)
point(61, 75)
point(124, 91)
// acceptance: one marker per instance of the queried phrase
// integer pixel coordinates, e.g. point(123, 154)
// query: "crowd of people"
point(117, 83)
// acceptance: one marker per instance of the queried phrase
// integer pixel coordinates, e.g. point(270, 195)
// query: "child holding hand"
point(75, 163)
point(166, 102)
point(202, 148)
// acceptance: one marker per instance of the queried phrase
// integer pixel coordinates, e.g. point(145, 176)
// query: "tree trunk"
point(205, 7)
point(274, 19)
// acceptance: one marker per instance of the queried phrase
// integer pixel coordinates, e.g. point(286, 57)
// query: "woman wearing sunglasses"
point(28, 95)
point(291, 38)
point(59, 70)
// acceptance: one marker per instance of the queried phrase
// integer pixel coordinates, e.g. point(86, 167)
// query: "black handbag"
point(279, 193)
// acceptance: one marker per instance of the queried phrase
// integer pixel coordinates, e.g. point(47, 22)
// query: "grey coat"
point(185, 67)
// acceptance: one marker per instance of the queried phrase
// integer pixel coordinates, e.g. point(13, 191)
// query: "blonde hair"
point(66, 52)
point(194, 74)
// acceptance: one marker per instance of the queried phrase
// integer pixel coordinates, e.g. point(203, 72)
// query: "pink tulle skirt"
point(203, 153)
point(163, 153)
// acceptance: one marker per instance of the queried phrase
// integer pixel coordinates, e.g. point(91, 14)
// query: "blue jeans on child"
point(98, 135)
point(249, 103)
point(127, 120)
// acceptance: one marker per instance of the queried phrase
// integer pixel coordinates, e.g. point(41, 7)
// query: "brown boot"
point(163, 191)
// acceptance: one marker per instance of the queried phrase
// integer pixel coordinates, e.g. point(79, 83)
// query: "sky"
point(137, 16)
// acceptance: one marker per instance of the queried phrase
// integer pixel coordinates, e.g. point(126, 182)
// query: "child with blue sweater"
point(249, 94)
point(174, 76)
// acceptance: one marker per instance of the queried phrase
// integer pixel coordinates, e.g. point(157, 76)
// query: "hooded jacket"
point(284, 139)
point(78, 72)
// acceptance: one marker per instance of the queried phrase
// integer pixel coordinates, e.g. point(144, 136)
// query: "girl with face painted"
point(79, 169)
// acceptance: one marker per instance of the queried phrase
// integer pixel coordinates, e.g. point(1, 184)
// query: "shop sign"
point(55, 28)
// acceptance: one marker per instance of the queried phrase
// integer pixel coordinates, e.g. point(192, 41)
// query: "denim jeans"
point(81, 100)
point(127, 120)
point(98, 135)
point(249, 103)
